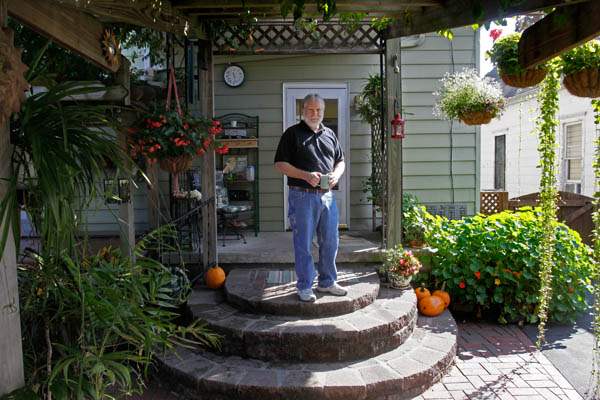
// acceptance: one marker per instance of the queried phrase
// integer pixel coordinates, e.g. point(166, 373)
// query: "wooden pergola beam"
point(457, 13)
point(160, 16)
point(372, 4)
point(559, 31)
point(72, 29)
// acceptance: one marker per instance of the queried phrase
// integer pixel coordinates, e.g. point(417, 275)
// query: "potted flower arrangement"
point(505, 56)
point(173, 140)
point(400, 266)
point(581, 67)
point(467, 97)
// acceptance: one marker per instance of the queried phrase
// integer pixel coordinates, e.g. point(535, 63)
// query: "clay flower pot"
point(530, 77)
point(584, 83)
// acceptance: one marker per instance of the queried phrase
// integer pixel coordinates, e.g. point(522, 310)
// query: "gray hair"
point(313, 97)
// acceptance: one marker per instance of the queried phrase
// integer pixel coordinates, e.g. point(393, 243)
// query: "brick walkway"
point(494, 362)
point(500, 362)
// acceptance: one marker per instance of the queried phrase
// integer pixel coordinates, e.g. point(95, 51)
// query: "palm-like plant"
point(61, 148)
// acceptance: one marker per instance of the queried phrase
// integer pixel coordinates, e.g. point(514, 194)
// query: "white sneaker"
point(334, 289)
point(307, 295)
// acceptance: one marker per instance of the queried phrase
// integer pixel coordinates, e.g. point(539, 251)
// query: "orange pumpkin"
point(442, 294)
point(422, 292)
point(431, 306)
point(215, 277)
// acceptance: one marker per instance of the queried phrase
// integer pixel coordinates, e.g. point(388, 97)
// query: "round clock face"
point(233, 75)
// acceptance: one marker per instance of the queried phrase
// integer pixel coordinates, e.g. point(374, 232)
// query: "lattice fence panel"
point(287, 38)
point(378, 173)
point(493, 202)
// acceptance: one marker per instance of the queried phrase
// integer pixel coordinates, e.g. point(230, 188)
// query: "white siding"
point(518, 123)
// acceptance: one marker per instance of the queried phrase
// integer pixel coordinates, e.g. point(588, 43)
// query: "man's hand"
point(333, 179)
point(313, 178)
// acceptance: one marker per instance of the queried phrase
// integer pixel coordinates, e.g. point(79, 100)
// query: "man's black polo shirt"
point(309, 151)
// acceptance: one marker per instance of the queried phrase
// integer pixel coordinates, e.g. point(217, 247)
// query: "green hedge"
point(492, 263)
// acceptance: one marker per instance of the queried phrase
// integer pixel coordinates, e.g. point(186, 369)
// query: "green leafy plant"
point(505, 55)
point(546, 127)
point(492, 264)
point(94, 325)
point(595, 275)
point(415, 219)
point(465, 92)
point(586, 56)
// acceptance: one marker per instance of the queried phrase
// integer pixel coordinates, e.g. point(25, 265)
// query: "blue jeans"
point(309, 213)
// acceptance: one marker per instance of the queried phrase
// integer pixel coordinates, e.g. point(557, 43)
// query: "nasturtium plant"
point(492, 263)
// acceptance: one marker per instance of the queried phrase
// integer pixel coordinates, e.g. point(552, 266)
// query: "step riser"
point(317, 347)
point(397, 375)
point(301, 309)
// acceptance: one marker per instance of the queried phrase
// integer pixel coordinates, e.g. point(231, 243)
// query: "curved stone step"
point(274, 292)
point(399, 374)
point(367, 332)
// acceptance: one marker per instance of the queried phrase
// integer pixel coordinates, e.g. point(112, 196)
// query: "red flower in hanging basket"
point(171, 135)
point(223, 149)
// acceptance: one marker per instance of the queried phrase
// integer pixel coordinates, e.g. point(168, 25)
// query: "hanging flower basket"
point(176, 165)
point(584, 83)
point(468, 97)
point(477, 117)
point(530, 77)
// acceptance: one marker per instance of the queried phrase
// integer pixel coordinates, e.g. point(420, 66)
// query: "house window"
point(573, 162)
point(499, 162)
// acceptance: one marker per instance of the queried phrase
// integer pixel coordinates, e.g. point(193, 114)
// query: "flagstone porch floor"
point(494, 362)
point(277, 248)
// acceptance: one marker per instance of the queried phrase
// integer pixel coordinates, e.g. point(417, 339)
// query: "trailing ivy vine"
point(596, 266)
point(546, 125)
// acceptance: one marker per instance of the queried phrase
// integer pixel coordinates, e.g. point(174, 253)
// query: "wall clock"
point(234, 75)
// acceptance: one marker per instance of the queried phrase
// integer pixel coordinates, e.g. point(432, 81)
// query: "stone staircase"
point(370, 344)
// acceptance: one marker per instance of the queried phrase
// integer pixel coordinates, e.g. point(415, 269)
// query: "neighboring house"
point(509, 155)
point(273, 88)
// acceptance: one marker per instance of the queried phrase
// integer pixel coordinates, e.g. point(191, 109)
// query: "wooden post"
point(209, 212)
point(394, 147)
point(126, 211)
point(11, 353)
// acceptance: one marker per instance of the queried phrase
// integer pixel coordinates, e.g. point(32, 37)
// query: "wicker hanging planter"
point(530, 77)
point(584, 83)
point(477, 117)
point(176, 165)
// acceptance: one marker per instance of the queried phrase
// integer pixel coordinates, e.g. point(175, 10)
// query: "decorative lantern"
point(398, 127)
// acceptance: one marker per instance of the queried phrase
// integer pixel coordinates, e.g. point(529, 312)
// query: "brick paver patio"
point(494, 362)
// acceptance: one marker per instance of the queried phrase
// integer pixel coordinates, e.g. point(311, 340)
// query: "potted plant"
point(173, 139)
point(581, 67)
point(467, 97)
point(414, 221)
point(400, 266)
point(505, 56)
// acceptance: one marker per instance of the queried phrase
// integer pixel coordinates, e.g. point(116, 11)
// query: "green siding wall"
point(427, 146)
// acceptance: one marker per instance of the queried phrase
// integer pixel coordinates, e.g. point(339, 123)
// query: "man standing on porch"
point(310, 155)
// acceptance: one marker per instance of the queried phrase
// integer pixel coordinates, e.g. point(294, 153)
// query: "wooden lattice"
point(287, 38)
point(493, 202)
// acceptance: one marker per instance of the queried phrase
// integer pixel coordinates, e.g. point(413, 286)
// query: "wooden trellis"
point(287, 38)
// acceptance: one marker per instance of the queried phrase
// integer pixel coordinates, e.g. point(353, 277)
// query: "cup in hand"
point(324, 184)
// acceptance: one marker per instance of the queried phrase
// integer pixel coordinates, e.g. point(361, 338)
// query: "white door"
point(336, 118)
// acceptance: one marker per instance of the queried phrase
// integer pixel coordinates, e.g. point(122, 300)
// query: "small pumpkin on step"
point(215, 277)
